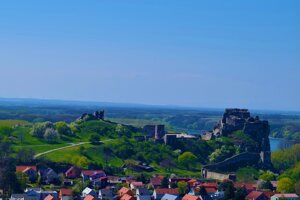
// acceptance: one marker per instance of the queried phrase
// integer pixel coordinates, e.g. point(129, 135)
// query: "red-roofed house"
point(89, 197)
point(30, 171)
point(136, 185)
point(190, 197)
point(92, 174)
point(159, 193)
point(49, 197)
point(73, 172)
point(124, 191)
point(127, 197)
point(155, 182)
point(256, 195)
point(65, 194)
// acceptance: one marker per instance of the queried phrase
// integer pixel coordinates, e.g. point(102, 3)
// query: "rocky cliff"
point(235, 119)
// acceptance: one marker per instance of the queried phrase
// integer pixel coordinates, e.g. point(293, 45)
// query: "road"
point(65, 147)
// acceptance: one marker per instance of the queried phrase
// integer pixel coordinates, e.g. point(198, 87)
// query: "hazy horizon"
point(191, 54)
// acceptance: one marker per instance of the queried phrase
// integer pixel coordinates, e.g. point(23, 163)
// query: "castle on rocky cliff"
point(97, 115)
point(235, 119)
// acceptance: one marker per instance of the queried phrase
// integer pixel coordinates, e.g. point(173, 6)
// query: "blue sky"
point(192, 53)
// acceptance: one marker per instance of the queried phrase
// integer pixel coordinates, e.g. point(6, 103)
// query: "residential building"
point(159, 193)
point(73, 172)
point(30, 171)
point(256, 195)
point(285, 197)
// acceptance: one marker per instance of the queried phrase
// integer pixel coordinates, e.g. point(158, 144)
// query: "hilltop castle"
point(235, 119)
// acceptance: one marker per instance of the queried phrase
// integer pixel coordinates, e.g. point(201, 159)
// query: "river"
point(278, 143)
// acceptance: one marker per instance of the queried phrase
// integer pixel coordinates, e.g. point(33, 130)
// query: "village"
point(96, 185)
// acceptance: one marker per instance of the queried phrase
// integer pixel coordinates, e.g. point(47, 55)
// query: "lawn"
point(94, 153)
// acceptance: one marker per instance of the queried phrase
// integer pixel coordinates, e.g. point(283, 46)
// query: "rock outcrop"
point(235, 119)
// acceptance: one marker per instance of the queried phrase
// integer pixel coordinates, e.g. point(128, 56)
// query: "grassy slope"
point(93, 152)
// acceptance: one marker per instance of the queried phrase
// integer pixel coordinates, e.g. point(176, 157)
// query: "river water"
point(278, 143)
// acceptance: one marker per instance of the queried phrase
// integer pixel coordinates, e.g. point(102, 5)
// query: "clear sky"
point(192, 53)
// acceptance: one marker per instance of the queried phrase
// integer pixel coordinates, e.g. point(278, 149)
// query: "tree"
point(82, 162)
point(22, 179)
point(94, 139)
point(202, 191)
point(285, 185)
point(51, 135)
point(165, 182)
point(228, 188)
point(182, 187)
point(25, 156)
point(267, 176)
point(39, 129)
point(265, 185)
point(63, 128)
point(187, 160)
point(240, 194)
point(297, 187)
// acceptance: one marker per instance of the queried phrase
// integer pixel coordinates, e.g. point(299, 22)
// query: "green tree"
point(22, 180)
point(228, 188)
point(267, 176)
point(94, 139)
point(297, 187)
point(165, 182)
point(265, 185)
point(285, 185)
point(240, 194)
point(39, 129)
point(63, 128)
point(247, 174)
point(182, 187)
point(187, 160)
point(202, 191)
point(25, 156)
point(51, 135)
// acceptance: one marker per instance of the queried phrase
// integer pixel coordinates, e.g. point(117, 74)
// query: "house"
point(92, 174)
point(170, 197)
point(124, 191)
point(30, 171)
point(190, 197)
point(21, 197)
point(127, 197)
point(136, 185)
point(159, 193)
point(89, 197)
point(113, 180)
point(48, 176)
point(65, 194)
point(99, 182)
point(143, 194)
point(88, 191)
point(211, 191)
point(45, 194)
point(256, 195)
point(155, 182)
point(106, 194)
point(49, 197)
point(34, 192)
point(73, 172)
point(285, 196)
